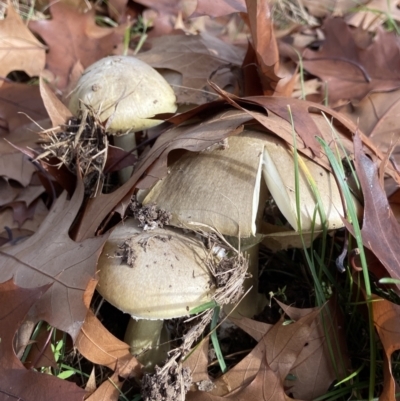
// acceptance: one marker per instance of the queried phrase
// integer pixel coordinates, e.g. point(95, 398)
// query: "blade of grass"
point(214, 339)
point(341, 179)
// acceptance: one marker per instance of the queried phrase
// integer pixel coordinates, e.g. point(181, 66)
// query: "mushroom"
point(223, 189)
point(124, 93)
point(153, 275)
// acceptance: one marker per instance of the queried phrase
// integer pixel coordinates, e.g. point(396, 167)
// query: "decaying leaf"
point(266, 51)
point(197, 362)
point(375, 13)
point(16, 382)
point(73, 36)
point(219, 8)
point(50, 256)
point(99, 346)
point(20, 104)
point(261, 373)
point(377, 116)
point(380, 229)
point(197, 58)
point(315, 371)
point(350, 71)
point(20, 50)
point(386, 318)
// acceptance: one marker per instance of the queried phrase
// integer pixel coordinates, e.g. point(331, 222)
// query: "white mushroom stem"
point(125, 142)
point(253, 302)
point(148, 340)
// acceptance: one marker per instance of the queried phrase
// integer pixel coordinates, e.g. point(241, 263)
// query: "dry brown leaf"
point(73, 36)
point(261, 373)
point(375, 13)
point(386, 319)
point(108, 390)
point(50, 256)
point(8, 192)
point(380, 230)
point(253, 328)
point(20, 104)
point(330, 7)
point(98, 345)
point(197, 362)
point(314, 370)
point(29, 194)
point(197, 58)
point(15, 165)
point(377, 117)
point(219, 8)
point(266, 50)
point(22, 213)
point(19, 49)
point(350, 71)
point(57, 111)
point(16, 382)
point(171, 7)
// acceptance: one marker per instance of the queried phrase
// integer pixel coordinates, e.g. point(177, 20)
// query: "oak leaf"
point(375, 13)
point(73, 36)
point(16, 382)
point(377, 117)
point(51, 256)
point(19, 49)
point(350, 71)
point(218, 8)
point(380, 230)
point(260, 375)
point(197, 58)
point(272, 78)
point(386, 320)
point(19, 105)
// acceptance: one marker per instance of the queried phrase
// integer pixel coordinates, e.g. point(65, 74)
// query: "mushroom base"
point(148, 341)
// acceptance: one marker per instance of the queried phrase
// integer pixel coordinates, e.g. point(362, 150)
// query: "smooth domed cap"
point(167, 278)
point(125, 91)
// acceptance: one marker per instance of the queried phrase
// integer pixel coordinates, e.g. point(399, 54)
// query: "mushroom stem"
point(253, 302)
point(148, 339)
point(125, 142)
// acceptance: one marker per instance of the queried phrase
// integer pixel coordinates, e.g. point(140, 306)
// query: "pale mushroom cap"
point(169, 276)
point(125, 91)
point(279, 174)
point(219, 187)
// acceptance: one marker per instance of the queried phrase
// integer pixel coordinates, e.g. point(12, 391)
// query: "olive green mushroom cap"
point(155, 274)
point(125, 92)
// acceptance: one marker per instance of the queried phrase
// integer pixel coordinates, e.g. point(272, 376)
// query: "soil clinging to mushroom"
point(149, 216)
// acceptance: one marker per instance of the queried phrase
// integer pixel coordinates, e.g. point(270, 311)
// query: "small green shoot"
point(214, 339)
point(389, 280)
point(203, 307)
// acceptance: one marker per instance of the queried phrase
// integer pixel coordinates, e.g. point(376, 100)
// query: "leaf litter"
point(352, 62)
